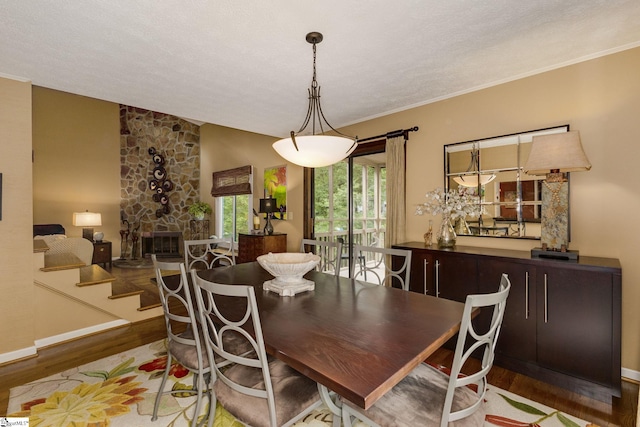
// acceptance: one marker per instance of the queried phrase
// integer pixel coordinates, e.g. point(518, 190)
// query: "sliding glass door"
point(348, 202)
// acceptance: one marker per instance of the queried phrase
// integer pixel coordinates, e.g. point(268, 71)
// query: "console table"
point(251, 246)
point(562, 322)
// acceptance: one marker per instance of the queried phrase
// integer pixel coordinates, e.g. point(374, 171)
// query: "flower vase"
point(446, 235)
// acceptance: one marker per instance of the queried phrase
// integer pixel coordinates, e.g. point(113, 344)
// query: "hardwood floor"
point(621, 412)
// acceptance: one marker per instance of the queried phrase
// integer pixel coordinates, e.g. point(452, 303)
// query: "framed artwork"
point(275, 185)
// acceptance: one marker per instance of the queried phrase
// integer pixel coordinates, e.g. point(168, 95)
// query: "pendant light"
point(313, 150)
point(473, 178)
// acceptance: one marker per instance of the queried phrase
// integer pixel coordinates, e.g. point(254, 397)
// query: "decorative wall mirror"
point(493, 168)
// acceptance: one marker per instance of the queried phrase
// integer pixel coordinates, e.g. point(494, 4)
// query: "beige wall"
point(16, 247)
point(76, 143)
point(601, 99)
point(224, 148)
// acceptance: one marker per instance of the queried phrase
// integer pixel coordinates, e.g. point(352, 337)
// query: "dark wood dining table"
point(356, 339)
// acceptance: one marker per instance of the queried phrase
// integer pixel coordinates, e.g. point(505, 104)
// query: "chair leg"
point(336, 421)
point(198, 386)
point(208, 380)
point(213, 402)
point(346, 417)
point(335, 406)
point(161, 389)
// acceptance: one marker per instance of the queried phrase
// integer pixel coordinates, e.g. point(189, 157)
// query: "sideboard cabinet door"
point(422, 273)
point(443, 275)
point(517, 338)
point(455, 275)
point(575, 322)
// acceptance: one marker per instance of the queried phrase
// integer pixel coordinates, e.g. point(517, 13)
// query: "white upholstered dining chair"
point(258, 391)
point(377, 262)
point(329, 253)
point(208, 253)
point(184, 338)
point(428, 396)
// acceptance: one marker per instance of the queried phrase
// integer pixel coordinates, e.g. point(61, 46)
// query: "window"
point(232, 216)
point(233, 193)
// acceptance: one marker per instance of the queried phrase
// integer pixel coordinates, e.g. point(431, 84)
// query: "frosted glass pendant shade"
point(472, 180)
point(315, 151)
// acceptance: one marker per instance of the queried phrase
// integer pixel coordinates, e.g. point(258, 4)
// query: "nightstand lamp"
point(554, 155)
point(268, 206)
point(88, 220)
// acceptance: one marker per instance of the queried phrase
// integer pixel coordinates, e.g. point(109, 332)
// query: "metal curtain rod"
point(393, 134)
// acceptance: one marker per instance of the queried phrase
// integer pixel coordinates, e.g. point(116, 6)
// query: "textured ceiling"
point(246, 64)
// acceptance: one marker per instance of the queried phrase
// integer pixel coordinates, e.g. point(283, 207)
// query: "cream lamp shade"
point(87, 220)
point(554, 155)
point(558, 152)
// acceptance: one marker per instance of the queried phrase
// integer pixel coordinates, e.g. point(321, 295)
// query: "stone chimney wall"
point(178, 141)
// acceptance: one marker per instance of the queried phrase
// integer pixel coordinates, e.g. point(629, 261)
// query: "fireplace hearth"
point(164, 244)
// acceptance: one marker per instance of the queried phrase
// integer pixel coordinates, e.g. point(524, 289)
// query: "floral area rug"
point(120, 390)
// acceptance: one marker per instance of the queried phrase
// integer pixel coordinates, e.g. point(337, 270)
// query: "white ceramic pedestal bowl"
point(288, 269)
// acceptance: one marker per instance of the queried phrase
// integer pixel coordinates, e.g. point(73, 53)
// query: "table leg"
point(334, 406)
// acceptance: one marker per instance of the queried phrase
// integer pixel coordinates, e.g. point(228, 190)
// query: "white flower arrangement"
point(451, 204)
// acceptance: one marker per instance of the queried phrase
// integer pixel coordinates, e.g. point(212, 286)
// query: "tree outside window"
point(232, 216)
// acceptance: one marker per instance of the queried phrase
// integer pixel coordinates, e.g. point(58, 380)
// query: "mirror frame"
point(503, 227)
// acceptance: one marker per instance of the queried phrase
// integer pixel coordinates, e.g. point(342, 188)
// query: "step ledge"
point(126, 294)
point(149, 307)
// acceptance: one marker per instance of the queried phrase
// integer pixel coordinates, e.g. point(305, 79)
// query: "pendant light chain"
point(315, 96)
point(314, 82)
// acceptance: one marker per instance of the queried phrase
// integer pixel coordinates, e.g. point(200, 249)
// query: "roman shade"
point(232, 182)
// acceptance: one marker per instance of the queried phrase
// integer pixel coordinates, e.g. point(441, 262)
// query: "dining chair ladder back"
point(184, 338)
point(208, 253)
point(379, 263)
point(329, 253)
point(452, 396)
point(257, 390)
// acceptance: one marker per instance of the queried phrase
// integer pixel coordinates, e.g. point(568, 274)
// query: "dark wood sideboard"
point(562, 323)
point(251, 246)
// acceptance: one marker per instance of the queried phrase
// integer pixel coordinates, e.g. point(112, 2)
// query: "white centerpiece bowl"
point(288, 269)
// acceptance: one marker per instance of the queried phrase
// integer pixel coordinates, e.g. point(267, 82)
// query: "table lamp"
point(554, 155)
point(268, 206)
point(88, 220)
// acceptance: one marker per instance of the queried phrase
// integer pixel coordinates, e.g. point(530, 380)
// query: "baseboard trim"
point(18, 354)
point(32, 351)
point(630, 374)
point(68, 336)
